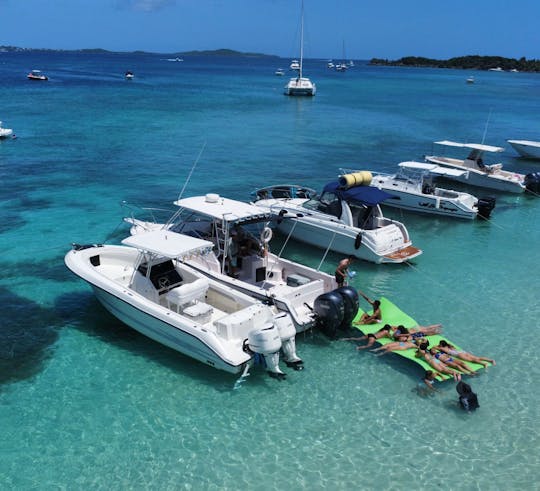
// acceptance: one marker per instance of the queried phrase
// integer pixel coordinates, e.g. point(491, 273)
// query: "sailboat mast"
point(301, 40)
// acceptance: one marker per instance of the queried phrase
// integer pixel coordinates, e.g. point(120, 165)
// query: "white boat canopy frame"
point(433, 169)
point(168, 244)
point(474, 146)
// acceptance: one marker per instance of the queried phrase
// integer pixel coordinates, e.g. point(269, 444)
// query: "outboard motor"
point(485, 206)
point(532, 182)
point(350, 305)
point(266, 341)
point(287, 333)
point(330, 310)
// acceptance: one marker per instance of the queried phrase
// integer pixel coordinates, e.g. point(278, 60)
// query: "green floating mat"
point(391, 314)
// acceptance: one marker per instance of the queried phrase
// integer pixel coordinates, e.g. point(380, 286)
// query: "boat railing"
point(280, 191)
point(142, 213)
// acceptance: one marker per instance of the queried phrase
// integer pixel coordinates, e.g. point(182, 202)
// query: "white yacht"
point(241, 259)
point(346, 219)
point(414, 189)
point(295, 65)
point(526, 148)
point(480, 174)
point(279, 72)
point(147, 284)
point(37, 75)
point(5, 132)
point(300, 85)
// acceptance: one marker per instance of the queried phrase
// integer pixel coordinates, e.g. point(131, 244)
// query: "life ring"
point(358, 240)
point(266, 235)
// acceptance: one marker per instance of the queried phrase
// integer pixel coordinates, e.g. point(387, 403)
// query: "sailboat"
point(342, 67)
point(299, 85)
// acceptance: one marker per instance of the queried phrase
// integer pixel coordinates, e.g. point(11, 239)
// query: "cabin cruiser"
point(279, 72)
point(414, 187)
point(5, 132)
point(527, 149)
point(129, 75)
point(480, 174)
point(241, 259)
point(345, 218)
point(147, 284)
point(295, 65)
point(37, 75)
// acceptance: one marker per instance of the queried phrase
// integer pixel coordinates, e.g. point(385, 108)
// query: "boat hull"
point(527, 149)
point(501, 181)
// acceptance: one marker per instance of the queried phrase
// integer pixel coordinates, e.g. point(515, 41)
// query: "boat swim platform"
point(393, 315)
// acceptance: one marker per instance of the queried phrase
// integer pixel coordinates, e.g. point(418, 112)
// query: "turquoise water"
point(87, 403)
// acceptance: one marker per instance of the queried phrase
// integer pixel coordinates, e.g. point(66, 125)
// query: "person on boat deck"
point(434, 363)
point(383, 332)
point(463, 355)
point(342, 270)
point(245, 244)
point(373, 318)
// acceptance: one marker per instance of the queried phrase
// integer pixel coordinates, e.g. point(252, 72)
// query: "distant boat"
point(175, 59)
point(5, 132)
point(526, 148)
point(295, 65)
point(300, 86)
point(280, 72)
point(470, 80)
point(330, 64)
point(497, 69)
point(129, 75)
point(342, 67)
point(37, 75)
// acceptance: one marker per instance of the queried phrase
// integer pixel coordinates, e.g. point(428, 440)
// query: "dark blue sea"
point(87, 403)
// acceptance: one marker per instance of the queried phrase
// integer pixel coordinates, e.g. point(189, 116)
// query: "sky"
point(356, 29)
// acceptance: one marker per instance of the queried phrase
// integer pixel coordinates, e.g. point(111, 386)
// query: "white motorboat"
point(5, 132)
point(345, 219)
point(526, 148)
point(129, 75)
point(242, 260)
point(300, 85)
point(330, 64)
point(295, 65)
point(147, 285)
point(470, 80)
point(414, 189)
point(279, 72)
point(479, 174)
point(37, 75)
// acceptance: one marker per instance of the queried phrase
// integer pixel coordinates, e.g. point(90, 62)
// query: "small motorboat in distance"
point(470, 80)
point(129, 75)
point(37, 75)
point(526, 148)
point(5, 132)
point(345, 218)
point(414, 187)
point(482, 175)
point(279, 72)
point(147, 284)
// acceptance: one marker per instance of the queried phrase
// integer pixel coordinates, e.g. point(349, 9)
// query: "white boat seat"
point(188, 293)
point(198, 311)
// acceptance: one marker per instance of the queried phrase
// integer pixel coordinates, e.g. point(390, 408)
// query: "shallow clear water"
point(85, 402)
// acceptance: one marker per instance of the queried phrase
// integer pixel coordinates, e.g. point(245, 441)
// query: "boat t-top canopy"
point(474, 146)
point(167, 243)
point(432, 169)
point(228, 210)
point(366, 195)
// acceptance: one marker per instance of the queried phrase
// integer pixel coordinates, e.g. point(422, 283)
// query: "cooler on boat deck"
point(297, 280)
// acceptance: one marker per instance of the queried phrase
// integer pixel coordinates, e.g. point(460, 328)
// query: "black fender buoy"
point(358, 240)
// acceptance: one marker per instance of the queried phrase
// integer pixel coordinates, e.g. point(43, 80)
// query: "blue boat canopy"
point(367, 195)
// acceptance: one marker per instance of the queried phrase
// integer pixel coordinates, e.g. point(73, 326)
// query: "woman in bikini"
point(373, 318)
point(434, 363)
point(463, 355)
point(383, 332)
point(394, 346)
point(452, 362)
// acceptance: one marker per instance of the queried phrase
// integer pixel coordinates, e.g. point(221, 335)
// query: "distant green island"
point(474, 62)
point(216, 52)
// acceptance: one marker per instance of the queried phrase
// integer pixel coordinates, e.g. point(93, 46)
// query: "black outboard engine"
point(467, 398)
point(330, 310)
point(485, 206)
point(532, 182)
point(350, 304)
